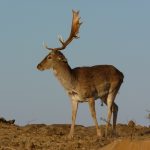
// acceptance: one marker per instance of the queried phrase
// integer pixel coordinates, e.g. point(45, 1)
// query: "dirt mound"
point(54, 137)
point(127, 144)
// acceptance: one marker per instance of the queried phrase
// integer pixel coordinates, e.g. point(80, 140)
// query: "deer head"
point(55, 55)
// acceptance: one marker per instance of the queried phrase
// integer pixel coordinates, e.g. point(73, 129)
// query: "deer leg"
point(115, 112)
point(91, 102)
point(109, 112)
point(112, 108)
point(74, 105)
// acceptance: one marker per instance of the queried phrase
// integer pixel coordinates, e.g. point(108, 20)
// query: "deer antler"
point(73, 34)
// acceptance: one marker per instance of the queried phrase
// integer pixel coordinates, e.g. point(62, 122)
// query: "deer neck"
point(63, 73)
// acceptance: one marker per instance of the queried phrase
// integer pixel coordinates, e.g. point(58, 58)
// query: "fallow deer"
point(84, 84)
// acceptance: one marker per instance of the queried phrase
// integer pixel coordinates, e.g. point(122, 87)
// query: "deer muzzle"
point(39, 67)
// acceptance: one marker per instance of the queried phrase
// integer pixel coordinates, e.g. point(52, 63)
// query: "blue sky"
point(113, 32)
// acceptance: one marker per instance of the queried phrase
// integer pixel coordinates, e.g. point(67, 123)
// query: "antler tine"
point(46, 46)
point(73, 34)
point(61, 40)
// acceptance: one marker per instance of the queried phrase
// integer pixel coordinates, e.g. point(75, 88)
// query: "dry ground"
point(54, 137)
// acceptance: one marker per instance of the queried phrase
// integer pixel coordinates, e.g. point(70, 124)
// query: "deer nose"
point(39, 67)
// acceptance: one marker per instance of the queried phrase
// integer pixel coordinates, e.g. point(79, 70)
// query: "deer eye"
point(49, 57)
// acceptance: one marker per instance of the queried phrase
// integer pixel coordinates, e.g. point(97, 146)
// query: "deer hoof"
point(70, 136)
point(99, 135)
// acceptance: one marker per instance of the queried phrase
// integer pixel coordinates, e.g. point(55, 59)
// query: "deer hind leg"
point(74, 105)
point(115, 112)
point(91, 102)
point(112, 108)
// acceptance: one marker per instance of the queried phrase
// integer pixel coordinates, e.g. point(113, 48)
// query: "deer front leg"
point(74, 105)
point(91, 102)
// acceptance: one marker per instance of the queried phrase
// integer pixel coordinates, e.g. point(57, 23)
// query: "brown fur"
point(86, 84)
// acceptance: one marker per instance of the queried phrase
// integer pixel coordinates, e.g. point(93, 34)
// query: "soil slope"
point(126, 144)
point(54, 137)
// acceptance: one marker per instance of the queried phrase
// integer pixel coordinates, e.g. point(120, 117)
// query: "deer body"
point(84, 84)
point(95, 81)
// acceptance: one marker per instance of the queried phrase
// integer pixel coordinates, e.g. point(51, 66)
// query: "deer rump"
point(96, 81)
